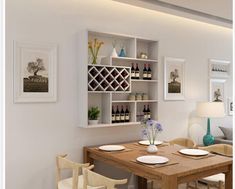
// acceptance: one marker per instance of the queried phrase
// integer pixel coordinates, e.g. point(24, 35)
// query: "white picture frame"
point(174, 78)
point(219, 68)
point(230, 107)
point(35, 72)
point(217, 90)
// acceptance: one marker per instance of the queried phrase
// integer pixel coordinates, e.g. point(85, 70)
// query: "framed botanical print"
point(35, 72)
point(217, 90)
point(174, 81)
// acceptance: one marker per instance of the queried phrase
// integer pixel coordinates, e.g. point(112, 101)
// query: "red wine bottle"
point(113, 115)
point(137, 72)
point(132, 71)
point(117, 115)
point(149, 73)
point(127, 115)
point(145, 72)
point(122, 115)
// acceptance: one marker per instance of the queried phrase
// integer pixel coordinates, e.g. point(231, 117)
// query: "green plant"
point(93, 113)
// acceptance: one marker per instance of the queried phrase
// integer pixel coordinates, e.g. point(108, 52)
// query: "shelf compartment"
point(148, 47)
point(102, 101)
point(153, 109)
point(131, 108)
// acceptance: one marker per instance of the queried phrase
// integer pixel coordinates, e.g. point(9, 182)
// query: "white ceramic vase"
point(92, 122)
point(114, 53)
point(152, 148)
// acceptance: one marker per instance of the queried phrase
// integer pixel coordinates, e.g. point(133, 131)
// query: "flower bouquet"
point(150, 131)
point(94, 48)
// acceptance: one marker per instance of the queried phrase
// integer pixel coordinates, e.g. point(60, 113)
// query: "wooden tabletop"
point(182, 169)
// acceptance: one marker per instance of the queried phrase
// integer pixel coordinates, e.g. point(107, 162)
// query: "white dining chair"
point(82, 177)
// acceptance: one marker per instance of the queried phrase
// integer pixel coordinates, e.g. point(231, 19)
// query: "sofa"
point(227, 138)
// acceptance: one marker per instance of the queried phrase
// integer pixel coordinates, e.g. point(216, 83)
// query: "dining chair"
point(92, 179)
point(74, 182)
point(218, 179)
point(82, 177)
point(185, 142)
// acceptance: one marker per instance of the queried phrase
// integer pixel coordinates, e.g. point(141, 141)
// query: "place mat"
point(171, 162)
point(118, 151)
point(194, 157)
point(160, 145)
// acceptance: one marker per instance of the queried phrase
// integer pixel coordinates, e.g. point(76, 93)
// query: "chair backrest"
point(186, 142)
point(63, 163)
point(223, 149)
point(93, 179)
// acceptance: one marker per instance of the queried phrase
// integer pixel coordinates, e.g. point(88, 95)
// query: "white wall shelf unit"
point(100, 86)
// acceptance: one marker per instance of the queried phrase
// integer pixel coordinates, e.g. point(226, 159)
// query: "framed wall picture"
point(35, 72)
point(219, 68)
point(174, 81)
point(230, 106)
point(217, 90)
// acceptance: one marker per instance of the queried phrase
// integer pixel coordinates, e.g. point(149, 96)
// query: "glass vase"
point(94, 60)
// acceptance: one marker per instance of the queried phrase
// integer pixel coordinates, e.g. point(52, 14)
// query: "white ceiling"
point(221, 8)
point(218, 12)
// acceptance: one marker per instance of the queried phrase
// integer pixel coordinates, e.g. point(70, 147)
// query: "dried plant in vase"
point(94, 48)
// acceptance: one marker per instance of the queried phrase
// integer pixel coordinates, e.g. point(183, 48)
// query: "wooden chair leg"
point(221, 185)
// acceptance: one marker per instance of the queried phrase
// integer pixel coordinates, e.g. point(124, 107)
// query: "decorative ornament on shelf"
point(114, 52)
point(150, 131)
point(93, 114)
point(143, 55)
point(122, 52)
point(94, 48)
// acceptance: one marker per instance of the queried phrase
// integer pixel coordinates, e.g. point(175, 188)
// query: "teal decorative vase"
point(122, 53)
point(208, 139)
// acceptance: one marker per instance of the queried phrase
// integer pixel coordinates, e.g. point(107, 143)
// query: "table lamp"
point(209, 110)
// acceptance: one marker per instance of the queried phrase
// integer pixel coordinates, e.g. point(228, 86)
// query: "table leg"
point(229, 178)
point(169, 182)
point(86, 157)
point(142, 183)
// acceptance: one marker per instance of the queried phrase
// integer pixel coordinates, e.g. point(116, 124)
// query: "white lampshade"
point(210, 109)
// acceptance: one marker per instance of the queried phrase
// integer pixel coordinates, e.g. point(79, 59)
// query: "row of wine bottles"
point(135, 72)
point(147, 112)
point(120, 116)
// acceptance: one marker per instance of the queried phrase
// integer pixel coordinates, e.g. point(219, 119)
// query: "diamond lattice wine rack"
point(108, 78)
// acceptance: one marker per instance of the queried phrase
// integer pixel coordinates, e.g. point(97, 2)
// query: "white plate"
point(194, 152)
point(146, 142)
point(152, 159)
point(112, 147)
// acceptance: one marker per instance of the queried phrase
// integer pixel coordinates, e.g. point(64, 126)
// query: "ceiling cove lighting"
point(170, 8)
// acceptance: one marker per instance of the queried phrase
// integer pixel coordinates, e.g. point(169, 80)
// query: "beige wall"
point(35, 133)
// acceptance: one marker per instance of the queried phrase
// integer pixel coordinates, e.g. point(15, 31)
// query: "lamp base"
point(208, 140)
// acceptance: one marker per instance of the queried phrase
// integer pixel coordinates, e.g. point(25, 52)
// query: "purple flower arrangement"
point(151, 129)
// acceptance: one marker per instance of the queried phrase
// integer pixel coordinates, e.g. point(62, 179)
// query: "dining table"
point(179, 169)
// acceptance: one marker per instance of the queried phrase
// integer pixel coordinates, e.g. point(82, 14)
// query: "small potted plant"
point(93, 114)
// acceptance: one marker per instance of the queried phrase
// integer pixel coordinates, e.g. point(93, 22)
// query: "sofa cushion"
point(228, 132)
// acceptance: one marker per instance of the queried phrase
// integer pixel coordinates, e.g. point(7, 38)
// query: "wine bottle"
point(117, 115)
point(127, 115)
point(145, 72)
point(122, 115)
point(132, 71)
point(149, 73)
point(137, 72)
point(113, 115)
point(148, 113)
point(145, 113)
